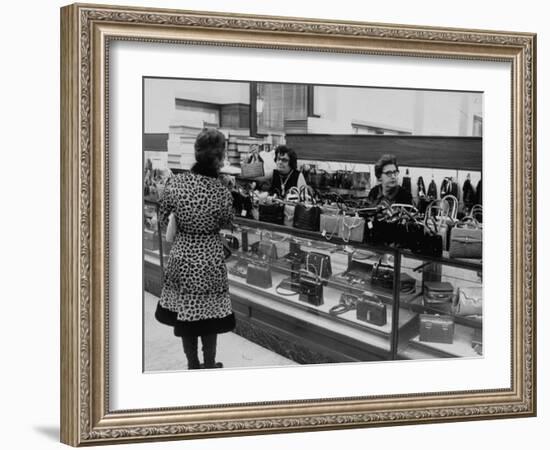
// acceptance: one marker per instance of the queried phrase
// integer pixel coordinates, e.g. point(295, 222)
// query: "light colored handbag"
point(172, 228)
point(330, 225)
point(352, 228)
point(253, 168)
point(466, 239)
point(469, 301)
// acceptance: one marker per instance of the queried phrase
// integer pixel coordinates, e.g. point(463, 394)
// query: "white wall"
point(29, 330)
point(419, 112)
point(160, 111)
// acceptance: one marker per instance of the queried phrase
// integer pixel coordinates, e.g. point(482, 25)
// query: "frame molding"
point(86, 31)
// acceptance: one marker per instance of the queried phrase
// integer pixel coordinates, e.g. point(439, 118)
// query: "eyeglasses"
point(283, 159)
point(391, 173)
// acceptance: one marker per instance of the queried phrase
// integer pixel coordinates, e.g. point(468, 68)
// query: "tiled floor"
point(163, 351)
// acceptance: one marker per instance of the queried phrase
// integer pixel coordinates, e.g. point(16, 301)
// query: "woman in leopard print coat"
point(195, 294)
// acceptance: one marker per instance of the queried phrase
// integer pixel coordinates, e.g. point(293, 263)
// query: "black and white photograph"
point(291, 224)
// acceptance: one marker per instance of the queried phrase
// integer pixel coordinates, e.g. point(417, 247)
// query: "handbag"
point(254, 167)
point(348, 302)
point(307, 217)
point(352, 228)
point(229, 243)
point(320, 263)
point(382, 275)
point(242, 204)
point(272, 213)
point(172, 228)
point(259, 275)
point(438, 293)
point(469, 301)
point(265, 250)
point(330, 224)
point(311, 288)
point(436, 328)
point(371, 310)
point(466, 239)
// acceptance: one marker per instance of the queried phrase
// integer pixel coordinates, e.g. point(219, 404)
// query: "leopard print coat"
point(195, 293)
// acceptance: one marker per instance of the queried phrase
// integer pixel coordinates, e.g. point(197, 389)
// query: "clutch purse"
point(435, 328)
point(259, 275)
point(469, 301)
point(371, 310)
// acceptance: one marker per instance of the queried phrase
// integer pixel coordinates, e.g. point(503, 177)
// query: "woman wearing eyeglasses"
point(286, 175)
point(388, 190)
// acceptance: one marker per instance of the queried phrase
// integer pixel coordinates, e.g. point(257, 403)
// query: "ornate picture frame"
point(87, 31)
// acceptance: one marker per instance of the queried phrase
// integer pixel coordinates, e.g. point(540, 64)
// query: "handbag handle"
point(317, 274)
point(453, 201)
point(355, 224)
point(292, 191)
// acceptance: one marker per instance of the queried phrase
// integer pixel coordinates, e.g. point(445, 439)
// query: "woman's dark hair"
point(209, 151)
point(384, 161)
point(292, 156)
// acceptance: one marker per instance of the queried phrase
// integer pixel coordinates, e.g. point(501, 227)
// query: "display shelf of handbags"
point(352, 273)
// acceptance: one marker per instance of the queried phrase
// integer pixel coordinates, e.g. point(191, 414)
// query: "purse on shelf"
point(466, 239)
point(436, 328)
point(254, 167)
point(259, 275)
point(370, 309)
point(320, 263)
point(311, 288)
point(348, 302)
point(330, 224)
point(239, 269)
point(272, 213)
point(352, 228)
point(383, 276)
point(436, 293)
point(306, 217)
point(469, 301)
point(265, 250)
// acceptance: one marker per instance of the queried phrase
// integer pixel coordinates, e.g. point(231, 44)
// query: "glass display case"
point(315, 298)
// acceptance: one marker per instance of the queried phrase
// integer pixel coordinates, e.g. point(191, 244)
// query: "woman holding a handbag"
point(286, 175)
point(195, 292)
point(388, 190)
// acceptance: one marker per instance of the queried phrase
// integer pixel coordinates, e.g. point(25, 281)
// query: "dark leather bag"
point(311, 288)
point(435, 328)
point(307, 217)
point(438, 292)
point(319, 263)
point(371, 310)
point(259, 275)
point(382, 275)
point(272, 213)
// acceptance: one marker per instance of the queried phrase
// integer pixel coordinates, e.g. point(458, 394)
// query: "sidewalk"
point(164, 352)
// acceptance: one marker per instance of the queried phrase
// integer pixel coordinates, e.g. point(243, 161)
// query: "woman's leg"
point(190, 345)
point(209, 350)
